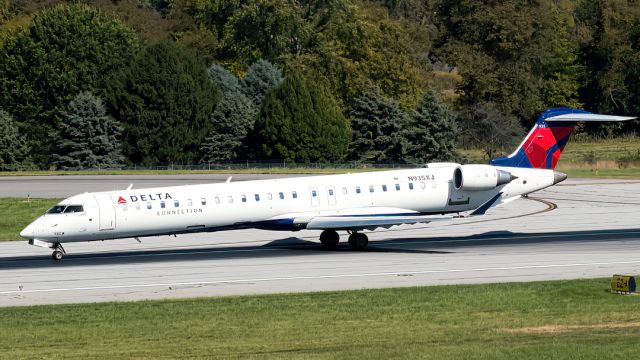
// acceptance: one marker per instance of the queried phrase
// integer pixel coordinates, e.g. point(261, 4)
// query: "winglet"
point(486, 206)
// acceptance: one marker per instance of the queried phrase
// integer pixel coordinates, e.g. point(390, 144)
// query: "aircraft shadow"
point(285, 247)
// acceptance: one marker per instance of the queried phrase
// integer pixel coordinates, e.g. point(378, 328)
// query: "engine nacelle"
point(480, 177)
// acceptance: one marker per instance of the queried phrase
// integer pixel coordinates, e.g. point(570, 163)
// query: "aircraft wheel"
point(57, 255)
point(330, 239)
point(358, 241)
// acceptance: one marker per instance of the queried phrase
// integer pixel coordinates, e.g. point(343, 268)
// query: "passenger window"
point(314, 193)
point(257, 197)
point(149, 206)
point(331, 192)
point(384, 187)
point(344, 191)
point(281, 195)
point(203, 201)
point(370, 188)
point(244, 198)
point(162, 204)
point(294, 195)
point(176, 203)
point(397, 187)
point(357, 189)
point(423, 185)
point(137, 206)
point(230, 199)
point(269, 196)
point(189, 202)
point(410, 186)
point(216, 199)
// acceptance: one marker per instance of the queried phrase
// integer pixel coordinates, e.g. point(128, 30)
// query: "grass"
point(561, 320)
point(17, 213)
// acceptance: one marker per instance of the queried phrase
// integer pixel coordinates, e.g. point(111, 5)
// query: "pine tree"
point(378, 128)
point(261, 78)
point(14, 153)
point(223, 79)
point(432, 131)
point(164, 100)
point(231, 121)
point(302, 123)
point(88, 138)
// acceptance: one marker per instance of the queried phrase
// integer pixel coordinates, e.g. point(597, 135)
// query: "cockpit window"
point(73, 209)
point(58, 209)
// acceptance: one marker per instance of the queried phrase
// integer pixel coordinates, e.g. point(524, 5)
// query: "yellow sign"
point(623, 283)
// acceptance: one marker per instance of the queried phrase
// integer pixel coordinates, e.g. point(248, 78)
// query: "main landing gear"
point(330, 239)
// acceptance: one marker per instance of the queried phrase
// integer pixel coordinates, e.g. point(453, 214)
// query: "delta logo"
point(144, 197)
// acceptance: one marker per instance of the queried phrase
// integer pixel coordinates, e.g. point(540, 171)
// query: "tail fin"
point(542, 147)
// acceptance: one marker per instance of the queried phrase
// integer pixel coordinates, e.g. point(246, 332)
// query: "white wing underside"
point(369, 222)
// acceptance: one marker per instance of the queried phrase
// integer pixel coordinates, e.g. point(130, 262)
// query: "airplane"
point(348, 202)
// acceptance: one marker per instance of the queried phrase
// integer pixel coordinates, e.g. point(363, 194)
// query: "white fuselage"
point(280, 204)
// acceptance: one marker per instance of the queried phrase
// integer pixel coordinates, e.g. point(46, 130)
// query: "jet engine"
point(480, 177)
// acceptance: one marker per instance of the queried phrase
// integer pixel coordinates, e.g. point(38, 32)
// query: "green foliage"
point(65, 49)
point(484, 126)
point(233, 118)
point(262, 76)
point(512, 53)
point(610, 49)
point(163, 99)
point(223, 79)
point(378, 125)
point(4, 11)
point(282, 31)
point(14, 152)
point(88, 138)
point(302, 122)
point(432, 131)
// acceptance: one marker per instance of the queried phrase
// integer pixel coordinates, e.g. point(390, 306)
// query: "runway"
point(579, 229)
point(68, 185)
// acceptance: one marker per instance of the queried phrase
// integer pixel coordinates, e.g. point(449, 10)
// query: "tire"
point(57, 255)
point(330, 239)
point(358, 241)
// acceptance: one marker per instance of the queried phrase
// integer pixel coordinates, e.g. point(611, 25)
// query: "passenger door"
point(107, 211)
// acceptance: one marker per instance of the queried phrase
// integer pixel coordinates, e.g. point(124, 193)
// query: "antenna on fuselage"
point(228, 180)
point(130, 186)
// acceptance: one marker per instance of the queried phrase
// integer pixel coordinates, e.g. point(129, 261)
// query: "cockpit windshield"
point(66, 209)
point(73, 209)
point(58, 209)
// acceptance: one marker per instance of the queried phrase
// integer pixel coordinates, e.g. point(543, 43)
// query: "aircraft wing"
point(366, 222)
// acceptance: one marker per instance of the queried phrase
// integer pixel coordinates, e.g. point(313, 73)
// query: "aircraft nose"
point(28, 232)
point(559, 177)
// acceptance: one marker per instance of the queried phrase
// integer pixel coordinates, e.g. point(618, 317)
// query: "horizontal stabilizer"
point(588, 117)
point(486, 206)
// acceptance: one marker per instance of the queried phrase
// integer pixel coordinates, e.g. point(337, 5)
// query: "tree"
point(14, 152)
point(64, 50)
point(88, 138)
point(231, 121)
point(262, 76)
point(486, 127)
point(223, 79)
point(432, 132)
point(164, 100)
point(378, 126)
point(302, 123)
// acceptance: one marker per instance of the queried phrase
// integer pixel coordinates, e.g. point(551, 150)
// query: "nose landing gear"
point(58, 252)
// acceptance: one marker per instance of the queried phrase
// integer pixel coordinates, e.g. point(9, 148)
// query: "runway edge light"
point(623, 284)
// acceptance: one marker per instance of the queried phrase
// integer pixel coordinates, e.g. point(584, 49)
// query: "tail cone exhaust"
point(559, 177)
